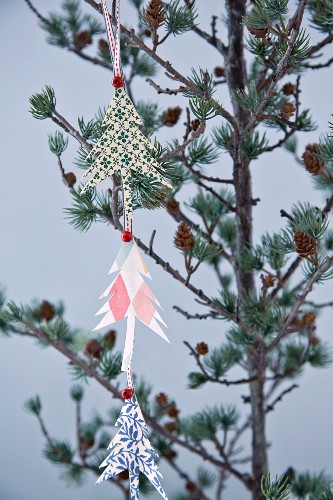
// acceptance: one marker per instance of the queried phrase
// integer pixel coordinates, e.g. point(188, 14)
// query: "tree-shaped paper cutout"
point(132, 450)
point(130, 297)
point(123, 148)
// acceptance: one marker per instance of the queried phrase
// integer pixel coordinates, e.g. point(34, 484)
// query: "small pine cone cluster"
point(201, 348)
point(195, 124)
point(268, 281)
point(171, 116)
point(259, 33)
point(305, 245)
point(110, 339)
point(46, 311)
point(314, 340)
point(311, 161)
point(103, 47)
point(86, 443)
point(70, 179)
point(219, 71)
point(82, 39)
point(184, 239)
point(161, 399)
point(123, 475)
point(93, 349)
point(170, 426)
point(173, 411)
point(154, 14)
point(288, 89)
point(288, 110)
point(309, 319)
point(173, 206)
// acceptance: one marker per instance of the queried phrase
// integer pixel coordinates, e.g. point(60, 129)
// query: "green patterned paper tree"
point(122, 148)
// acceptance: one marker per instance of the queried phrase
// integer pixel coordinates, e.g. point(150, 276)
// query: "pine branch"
point(319, 65)
point(327, 264)
point(271, 406)
point(168, 91)
point(280, 70)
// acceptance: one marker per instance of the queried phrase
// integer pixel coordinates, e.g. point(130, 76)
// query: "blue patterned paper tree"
point(132, 450)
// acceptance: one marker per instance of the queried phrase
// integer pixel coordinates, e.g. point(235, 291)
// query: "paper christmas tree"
point(132, 450)
point(122, 148)
point(130, 297)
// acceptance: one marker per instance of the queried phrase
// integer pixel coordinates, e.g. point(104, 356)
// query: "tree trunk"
point(237, 78)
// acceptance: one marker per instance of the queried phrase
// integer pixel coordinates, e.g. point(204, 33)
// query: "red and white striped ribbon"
point(114, 40)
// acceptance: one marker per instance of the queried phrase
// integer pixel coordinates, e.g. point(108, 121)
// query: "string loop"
point(114, 40)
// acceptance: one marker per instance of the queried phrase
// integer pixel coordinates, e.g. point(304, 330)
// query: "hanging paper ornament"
point(124, 149)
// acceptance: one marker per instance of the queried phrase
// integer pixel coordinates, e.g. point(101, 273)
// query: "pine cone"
point(171, 454)
point(86, 444)
point(82, 39)
point(170, 426)
point(309, 319)
point(103, 48)
point(287, 110)
point(69, 179)
point(191, 486)
point(314, 340)
point(110, 338)
point(268, 280)
point(46, 311)
point(173, 411)
point(171, 116)
point(195, 124)
point(258, 33)
point(93, 349)
point(173, 206)
point(305, 245)
point(154, 14)
point(288, 89)
point(219, 71)
point(161, 399)
point(184, 239)
point(123, 475)
point(311, 161)
point(202, 348)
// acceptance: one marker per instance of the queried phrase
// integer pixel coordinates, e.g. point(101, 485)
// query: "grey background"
point(42, 256)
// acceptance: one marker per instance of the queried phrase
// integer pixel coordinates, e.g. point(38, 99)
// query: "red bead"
point(117, 82)
point(127, 393)
point(126, 236)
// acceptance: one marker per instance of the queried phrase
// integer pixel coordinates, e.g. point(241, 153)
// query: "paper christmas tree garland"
point(124, 149)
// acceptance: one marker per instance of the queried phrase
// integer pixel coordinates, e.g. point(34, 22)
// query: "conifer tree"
point(263, 308)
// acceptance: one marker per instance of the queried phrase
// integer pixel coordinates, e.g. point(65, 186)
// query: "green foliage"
point(223, 137)
point(299, 51)
point(202, 250)
point(179, 19)
point(206, 478)
point(321, 15)
point(227, 231)
point(309, 219)
point(57, 143)
point(265, 318)
point(82, 213)
point(275, 259)
point(252, 259)
point(227, 301)
point(254, 145)
point(248, 98)
point(320, 356)
point(74, 474)
point(150, 115)
point(202, 152)
point(258, 47)
point(43, 103)
point(202, 108)
point(304, 122)
point(291, 144)
point(144, 66)
point(209, 207)
point(239, 338)
point(265, 12)
point(59, 329)
point(62, 28)
point(33, 405)
point(196, 380)
point(91, 131)
point(203, 81)
point(309, 269)
point(110, 365)
point(325, 151)
point(329, 240)
point(77, 392)
point(220, 359)
point(312, 484)
point(59, 453)
point(205, 424)
point(275, 490)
